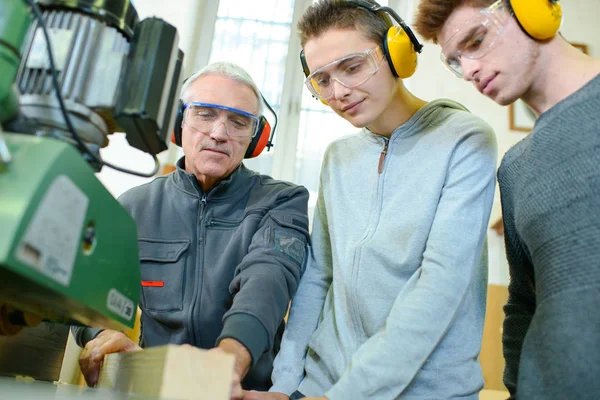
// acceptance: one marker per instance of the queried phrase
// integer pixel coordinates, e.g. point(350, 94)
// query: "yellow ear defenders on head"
point(400, 45)
point(541, 19)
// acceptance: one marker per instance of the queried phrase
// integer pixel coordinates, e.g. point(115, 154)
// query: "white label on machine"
point(52, 239)
point(60, 40)
point(119, 304)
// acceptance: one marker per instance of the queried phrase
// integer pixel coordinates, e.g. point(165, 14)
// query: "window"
point(258, 41)
point(265, 44)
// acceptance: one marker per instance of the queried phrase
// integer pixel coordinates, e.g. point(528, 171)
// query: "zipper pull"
point(382, 157)
point(202, 204)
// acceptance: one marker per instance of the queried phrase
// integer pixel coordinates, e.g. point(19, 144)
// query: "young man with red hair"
point(549, 184)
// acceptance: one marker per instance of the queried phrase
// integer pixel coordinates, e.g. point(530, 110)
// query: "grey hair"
point(226, 69)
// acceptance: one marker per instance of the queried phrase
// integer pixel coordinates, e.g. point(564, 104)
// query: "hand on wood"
point(236, 382)
point(243, 359)
point(92, 355)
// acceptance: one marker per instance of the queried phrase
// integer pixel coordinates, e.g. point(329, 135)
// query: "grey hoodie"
point(392, 303)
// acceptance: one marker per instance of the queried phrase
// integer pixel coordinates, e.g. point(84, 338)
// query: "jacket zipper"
point(203, 202)
point(196, 281)
point(382, 156)
point(355, 314)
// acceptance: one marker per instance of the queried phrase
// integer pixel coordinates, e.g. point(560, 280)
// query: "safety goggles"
point(206, 118)
point(350, 71)
point(475, 37)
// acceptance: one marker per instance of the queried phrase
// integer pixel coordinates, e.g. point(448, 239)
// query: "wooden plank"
point(491, 357)
point(174, 372)
point(70, 372)
point(493, 395)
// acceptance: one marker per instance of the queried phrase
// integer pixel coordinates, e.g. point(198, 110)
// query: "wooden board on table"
point(173, 372)
point(491, 357)
point(493, 395)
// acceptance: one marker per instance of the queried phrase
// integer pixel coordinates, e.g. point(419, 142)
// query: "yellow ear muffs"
point(314, 84)
point(541, 19)
point(400, 45)
point(306, 71)
point(400, 52)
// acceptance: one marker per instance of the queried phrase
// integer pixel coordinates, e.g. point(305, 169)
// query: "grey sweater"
point(392, 303)
point(550, 187)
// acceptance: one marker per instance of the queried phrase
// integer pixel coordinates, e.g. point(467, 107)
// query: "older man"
point(222, 248)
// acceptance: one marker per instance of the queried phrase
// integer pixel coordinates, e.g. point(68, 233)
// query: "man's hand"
point(243, 359)
point(241, 366)
point(236, 383)
point(254, 395)
point(93, 353)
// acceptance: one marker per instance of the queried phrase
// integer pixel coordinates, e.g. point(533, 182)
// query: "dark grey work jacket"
point(222, 264)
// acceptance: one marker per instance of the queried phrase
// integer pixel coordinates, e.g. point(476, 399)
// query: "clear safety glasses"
point(475, 38)
point(351, 71)
point(206, 117)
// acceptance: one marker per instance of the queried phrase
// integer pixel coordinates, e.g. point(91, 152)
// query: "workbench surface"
point(12, 388)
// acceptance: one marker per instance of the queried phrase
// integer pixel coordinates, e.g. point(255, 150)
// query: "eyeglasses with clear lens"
point(351, 71)
point(475, 37)
point(206, 118)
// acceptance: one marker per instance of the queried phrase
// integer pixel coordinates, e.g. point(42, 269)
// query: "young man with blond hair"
point(549, 184)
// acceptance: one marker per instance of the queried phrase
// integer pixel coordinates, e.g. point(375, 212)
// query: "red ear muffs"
point(261, 140)
point(258, 143)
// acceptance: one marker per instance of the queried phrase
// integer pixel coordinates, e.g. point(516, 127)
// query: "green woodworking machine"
point(71, 73)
